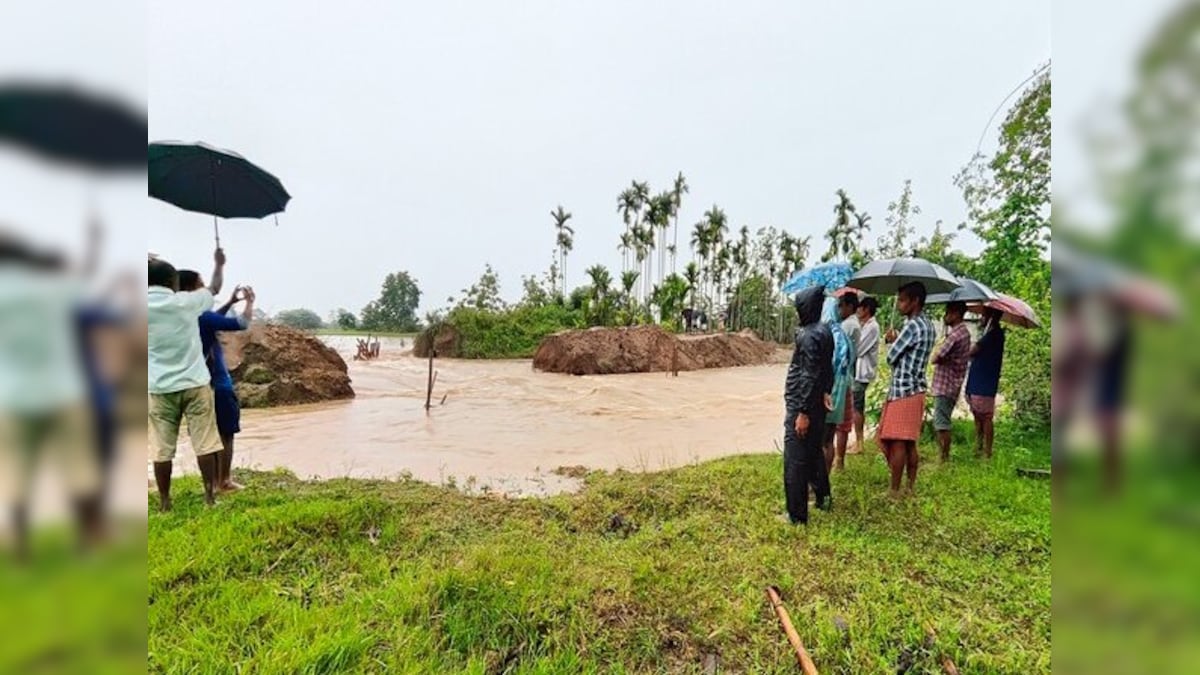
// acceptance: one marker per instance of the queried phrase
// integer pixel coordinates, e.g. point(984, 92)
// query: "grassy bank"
point(636, 573)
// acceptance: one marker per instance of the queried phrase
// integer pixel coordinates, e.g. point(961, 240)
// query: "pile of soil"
point(647, 349)
point(444, 338)
point(276, 365)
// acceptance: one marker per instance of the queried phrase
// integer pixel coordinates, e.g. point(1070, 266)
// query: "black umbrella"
point(886, 277)
point(199, 177)
point(968, 290)
point(67, 124)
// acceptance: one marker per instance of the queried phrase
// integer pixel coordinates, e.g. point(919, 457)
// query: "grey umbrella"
point(968, 290)
point(885, 277)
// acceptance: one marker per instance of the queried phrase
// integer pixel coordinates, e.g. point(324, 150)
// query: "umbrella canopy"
point(968, 290)
point(1074, 274)
point(831, 276)
point(199, 177)
point(66, 124)
point(1014, 311)
point(886, 277)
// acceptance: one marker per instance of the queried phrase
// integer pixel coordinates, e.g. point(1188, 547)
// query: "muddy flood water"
point(505, 427)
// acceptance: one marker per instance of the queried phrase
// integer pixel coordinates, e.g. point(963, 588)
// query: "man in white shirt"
point(868, 362)
point(43, 413)
point(178, 378)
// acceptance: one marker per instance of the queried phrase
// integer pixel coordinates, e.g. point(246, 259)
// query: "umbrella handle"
point(216, 232)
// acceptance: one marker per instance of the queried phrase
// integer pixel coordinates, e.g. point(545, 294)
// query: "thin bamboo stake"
point(802, 657)
point(947, 665)
point(429, 389)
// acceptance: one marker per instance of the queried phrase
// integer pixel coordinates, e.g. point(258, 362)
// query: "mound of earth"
point(646, 349)
point(276, 365)
point(445, 339)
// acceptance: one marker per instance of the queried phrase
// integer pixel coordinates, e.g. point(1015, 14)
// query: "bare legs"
point(903, 458)
point(225, 466)
point(208, 473)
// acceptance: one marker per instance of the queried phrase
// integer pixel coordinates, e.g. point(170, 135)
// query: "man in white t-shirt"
point(43, 412)
point(178, 378)
point(868, 363)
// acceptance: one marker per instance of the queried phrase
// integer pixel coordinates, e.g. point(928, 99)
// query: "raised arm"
point(217, 280)
point(903, 343)
point(233, 299)
point(91, 254)
point(248, 312)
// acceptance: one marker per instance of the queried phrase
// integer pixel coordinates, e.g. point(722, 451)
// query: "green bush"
point(511, 334)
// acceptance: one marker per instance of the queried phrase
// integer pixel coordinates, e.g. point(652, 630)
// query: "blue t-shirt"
point(210, 324)
point(88, 317)
point(983, 377)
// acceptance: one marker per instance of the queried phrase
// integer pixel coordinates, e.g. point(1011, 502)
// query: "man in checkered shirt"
point(949, 370)
point(908, 356)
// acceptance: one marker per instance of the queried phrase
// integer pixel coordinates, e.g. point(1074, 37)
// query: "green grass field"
point(636, 573)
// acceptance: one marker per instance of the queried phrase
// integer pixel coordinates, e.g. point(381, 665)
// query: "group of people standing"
point(834, 363)
point(187, 374)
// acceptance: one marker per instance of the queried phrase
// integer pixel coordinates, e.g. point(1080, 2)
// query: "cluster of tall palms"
point(564, 242)
point(717, 277)
point(648, 218)
point(849, 228)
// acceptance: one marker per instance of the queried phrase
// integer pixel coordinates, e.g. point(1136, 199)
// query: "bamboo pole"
point(802, 657)
point(429, 389)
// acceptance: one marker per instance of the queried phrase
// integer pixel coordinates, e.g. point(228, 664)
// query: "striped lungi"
point(901, 418)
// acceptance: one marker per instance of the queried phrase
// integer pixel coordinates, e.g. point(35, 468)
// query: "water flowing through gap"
point(508, 426)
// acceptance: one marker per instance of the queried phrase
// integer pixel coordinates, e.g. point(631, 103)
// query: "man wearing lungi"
point(908, 356)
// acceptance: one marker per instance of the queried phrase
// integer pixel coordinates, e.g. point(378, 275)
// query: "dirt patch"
point(445, 339)
point(647, 349)
point(573, 471)
point(276, 365)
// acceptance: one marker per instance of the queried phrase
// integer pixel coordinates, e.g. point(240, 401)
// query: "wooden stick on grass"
point(947, 665)
point(806, 662)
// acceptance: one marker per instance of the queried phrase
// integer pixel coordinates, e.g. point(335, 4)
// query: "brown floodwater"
point(506, 427)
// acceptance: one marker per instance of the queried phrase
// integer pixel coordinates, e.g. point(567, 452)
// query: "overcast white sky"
point(437, 137)
point(100, 46)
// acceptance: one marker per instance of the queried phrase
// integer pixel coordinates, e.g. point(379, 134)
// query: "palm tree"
point(627, 206)
point(691, 275)
point(625, 247)
point(661, 208)
point(841, 232)
point(629, 279)
point(678, 190)
point(717, 226)
point(701, 246)
point(566, 239)
point(800, 248)
point(860, 229)
point(601, 280)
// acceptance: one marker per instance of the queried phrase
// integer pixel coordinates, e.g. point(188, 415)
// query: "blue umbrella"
point(831, 275)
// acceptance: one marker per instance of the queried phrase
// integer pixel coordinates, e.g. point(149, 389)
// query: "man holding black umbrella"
point(900, 424)
point(178, 377)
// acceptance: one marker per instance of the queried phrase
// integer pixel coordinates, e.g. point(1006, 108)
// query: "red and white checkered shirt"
point(951, 361)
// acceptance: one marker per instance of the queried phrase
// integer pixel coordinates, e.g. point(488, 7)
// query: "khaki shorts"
point(61, 437)
point(167, 412)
